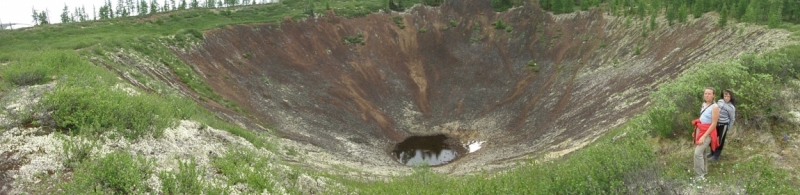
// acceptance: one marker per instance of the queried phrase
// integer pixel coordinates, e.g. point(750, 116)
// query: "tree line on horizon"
point(127, 8)
point(769, 12)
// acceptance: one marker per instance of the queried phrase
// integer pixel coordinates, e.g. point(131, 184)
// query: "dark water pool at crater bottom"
point(433, 150)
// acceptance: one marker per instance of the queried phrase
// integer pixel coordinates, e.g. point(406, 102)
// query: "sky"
point(20, 11)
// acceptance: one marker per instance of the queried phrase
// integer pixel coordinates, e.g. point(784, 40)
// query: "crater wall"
point(450, 71)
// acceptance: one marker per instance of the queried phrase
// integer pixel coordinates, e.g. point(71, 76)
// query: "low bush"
point(243, 166)
point(186, 180)
point(682, 97)
point(499, 24)
point(115, 173)
point(399, 21)
point(87, 110)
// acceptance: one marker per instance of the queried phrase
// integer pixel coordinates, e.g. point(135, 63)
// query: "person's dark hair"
point(729, 91)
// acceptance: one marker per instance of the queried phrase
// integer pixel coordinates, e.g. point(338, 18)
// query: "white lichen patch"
point(187, 141)
point(33, 154)
point(126, 88)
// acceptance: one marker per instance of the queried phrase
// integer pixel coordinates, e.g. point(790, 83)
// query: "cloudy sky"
point(20, 11)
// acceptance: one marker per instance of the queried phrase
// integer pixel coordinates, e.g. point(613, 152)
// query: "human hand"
point(700, 141)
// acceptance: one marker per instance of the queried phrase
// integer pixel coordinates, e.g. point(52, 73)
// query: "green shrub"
point(399, 21)
point(358, 39)
point(502, 5)
point(662, 119)
point(115, 173)
point(96, 110)
point(533, 66)
point(187, 179)
point(76, 151)
point(35, 69)
point(433, 2)
point(423, 30)
point(245, 167)
point(499, 24)
point(754, 90)
point(453, 23)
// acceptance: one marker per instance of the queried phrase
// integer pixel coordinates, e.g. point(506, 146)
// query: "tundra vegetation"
point(84, 105)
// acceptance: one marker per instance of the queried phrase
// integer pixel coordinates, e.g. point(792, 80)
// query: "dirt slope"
point(449, 71)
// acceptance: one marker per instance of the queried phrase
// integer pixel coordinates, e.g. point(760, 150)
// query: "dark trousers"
point(722, 131)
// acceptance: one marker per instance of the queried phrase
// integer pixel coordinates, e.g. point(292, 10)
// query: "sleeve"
point(732, 115)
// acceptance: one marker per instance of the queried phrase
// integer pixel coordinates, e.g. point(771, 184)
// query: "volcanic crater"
point(346, 90)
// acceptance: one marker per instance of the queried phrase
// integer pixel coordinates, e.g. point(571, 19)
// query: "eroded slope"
point(449, 71)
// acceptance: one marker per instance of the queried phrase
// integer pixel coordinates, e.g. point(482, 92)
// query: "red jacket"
point(703, 128)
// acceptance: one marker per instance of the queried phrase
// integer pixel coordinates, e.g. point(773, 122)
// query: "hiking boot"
point(709, 155)
point(713, 158)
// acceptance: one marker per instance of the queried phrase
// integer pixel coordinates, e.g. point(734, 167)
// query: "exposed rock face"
point(459, 76)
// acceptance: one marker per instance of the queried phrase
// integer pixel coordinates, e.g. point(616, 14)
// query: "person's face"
point(708, 95)
point(726, 96)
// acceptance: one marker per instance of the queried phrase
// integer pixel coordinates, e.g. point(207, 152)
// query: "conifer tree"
point(697, 9)
point(182, 5)
point(44, 17)
point(143, 8)
point(723, 16)
point(774, 17)
point(753, 12)
point(65, 18)
point(682, 13)
point(165, 7)
point(154, 6)
point(741, 9)
point(121, 11)
point(653, 23)
point(35, 17)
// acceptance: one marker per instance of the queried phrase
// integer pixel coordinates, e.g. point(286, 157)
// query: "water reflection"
point(433, 150)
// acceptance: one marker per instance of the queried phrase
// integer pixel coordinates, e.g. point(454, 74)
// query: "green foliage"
point(243, 166)
point(423, 30)
point(187, 179)
point(76, 151)
point(662, 120)
point(533, 65)
point(399, 21)
point(27, 73)
point(753, 12)
point(774, 15)
point(432, 2)
point(502, 5)
point(398, 6)
point(723, 17)
point(754, 80)
point(358, 39)
point(115, 173)
point(96, 110)
point(453, 23)
point(682, 13)
point(499, 24)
